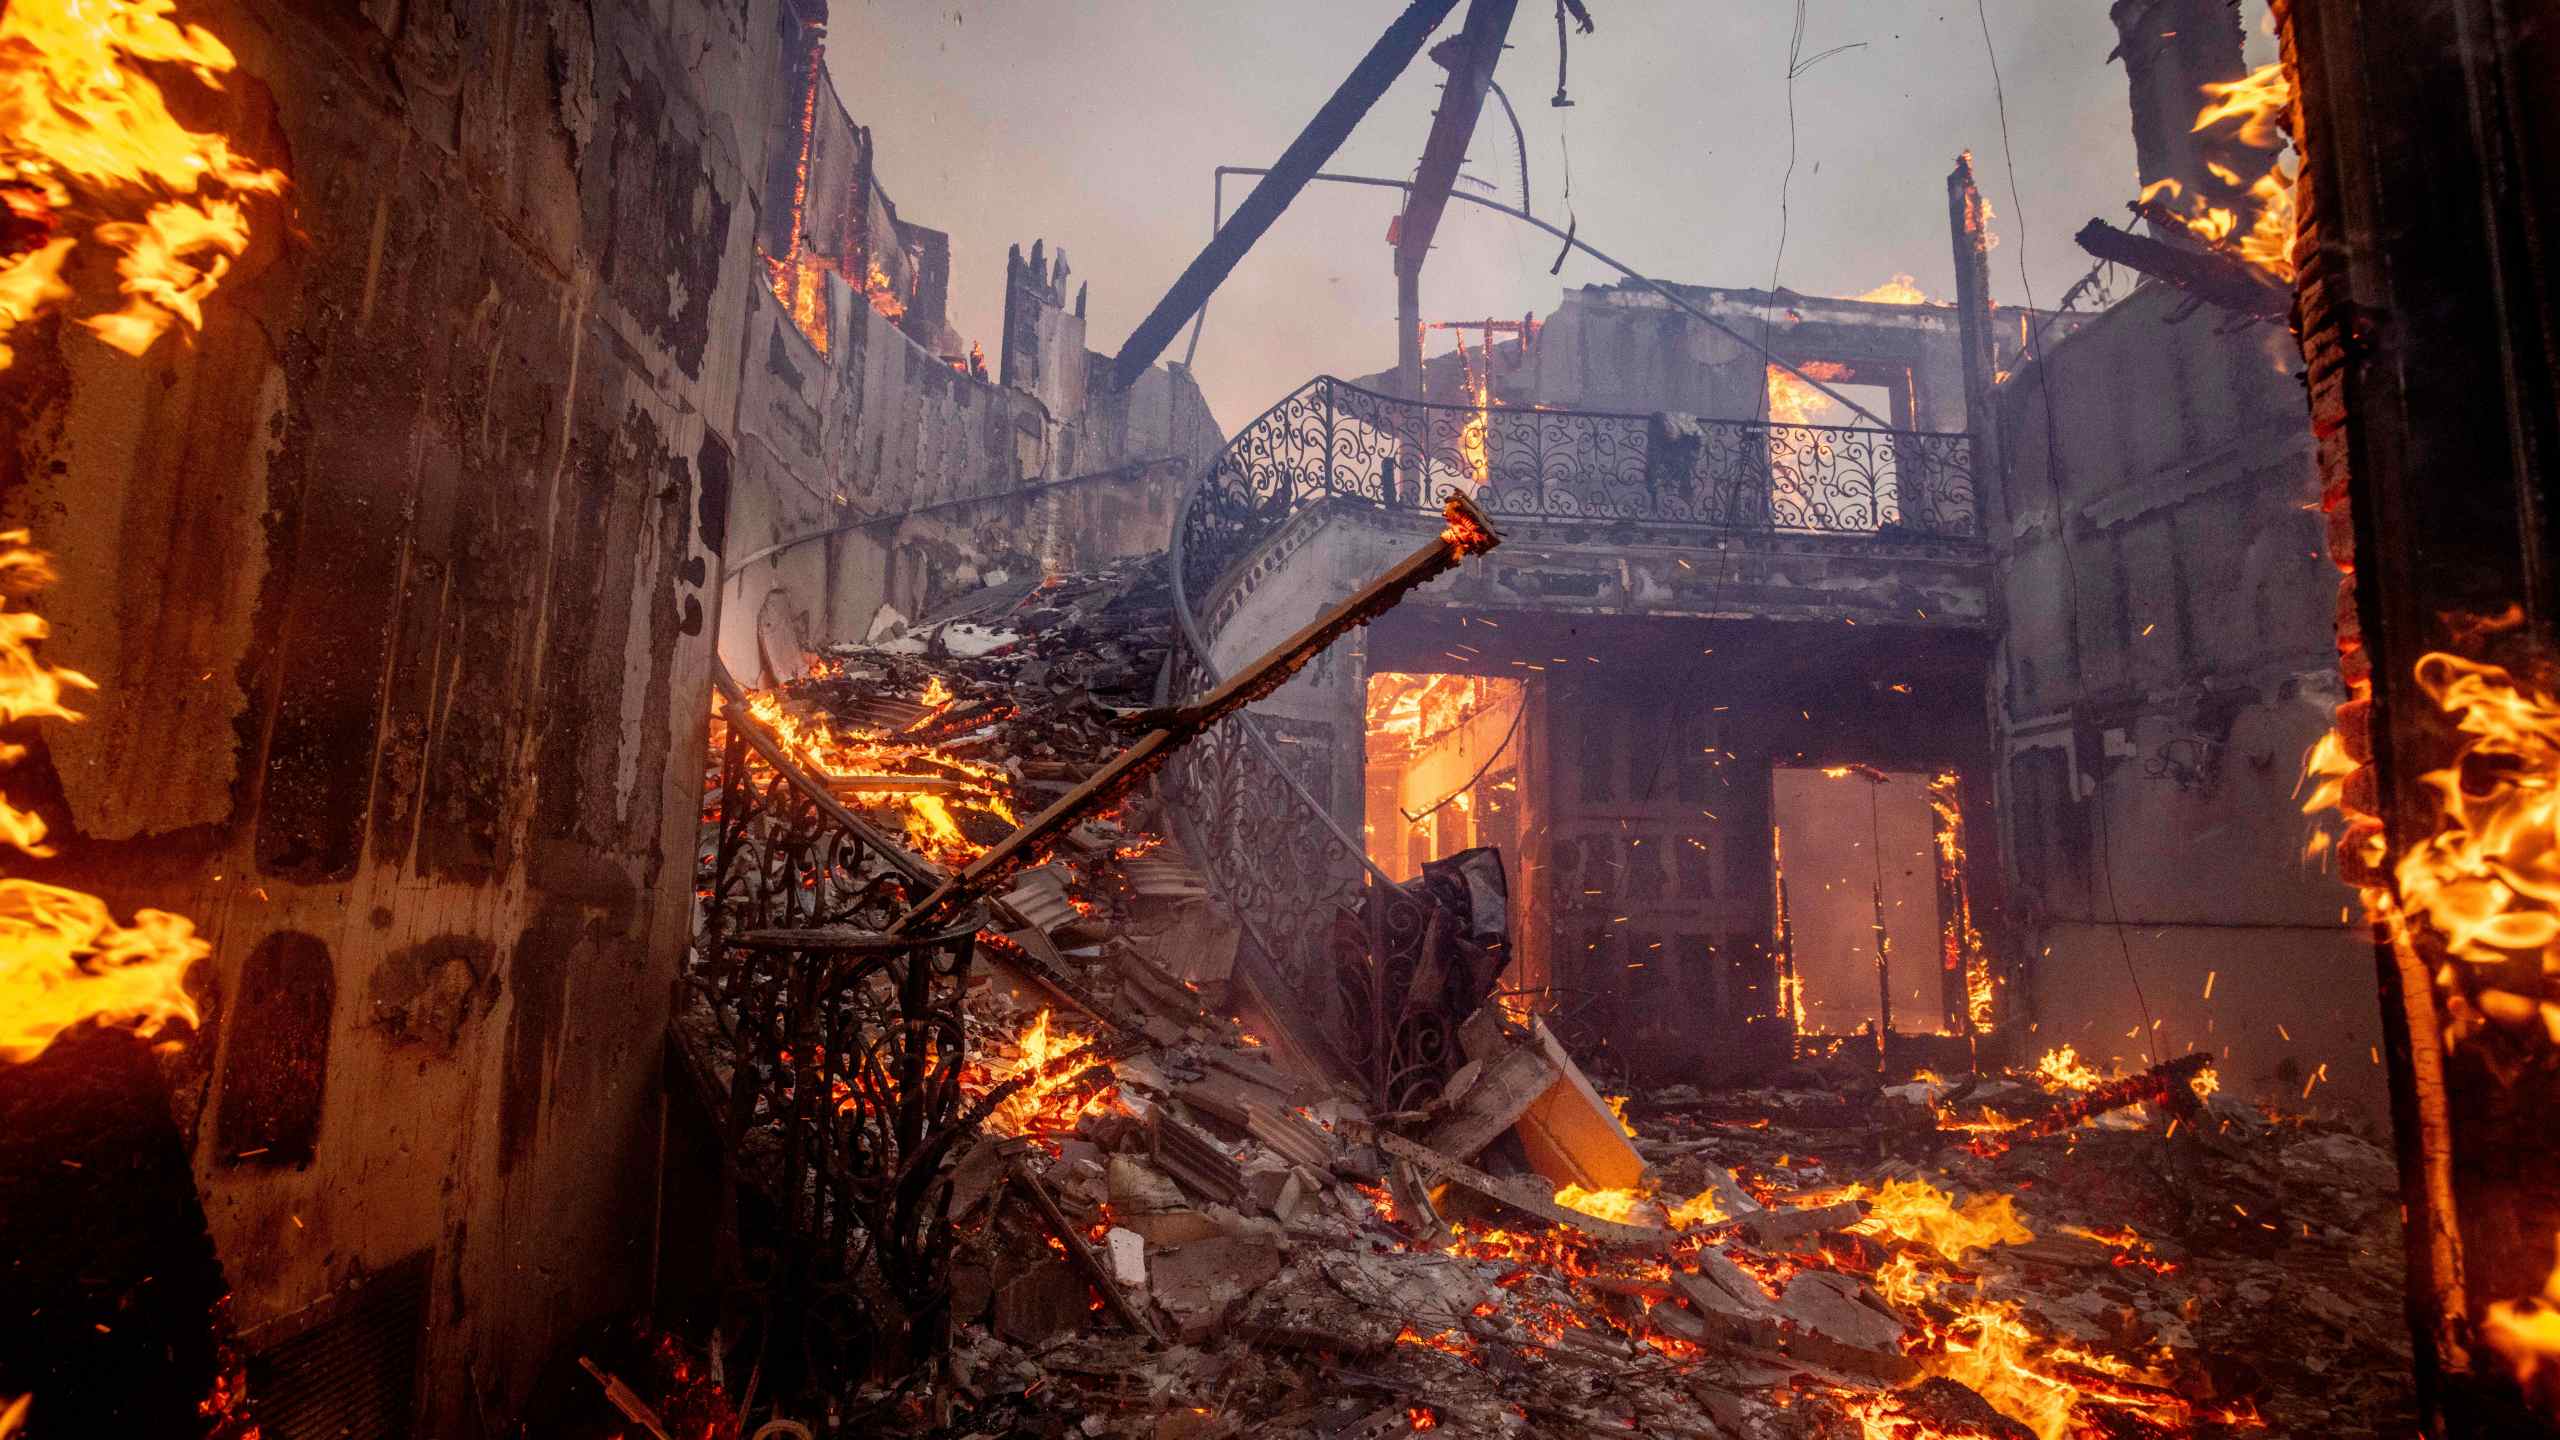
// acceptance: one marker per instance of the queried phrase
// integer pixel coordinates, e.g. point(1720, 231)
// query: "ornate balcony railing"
point(1573, 468)
point(1246, 807)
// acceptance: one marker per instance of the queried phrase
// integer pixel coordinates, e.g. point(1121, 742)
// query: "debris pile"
point(1160, 1228)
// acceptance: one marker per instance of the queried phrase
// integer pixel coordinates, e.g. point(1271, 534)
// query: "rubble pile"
point(1164, 1231)
point(1291, 1273)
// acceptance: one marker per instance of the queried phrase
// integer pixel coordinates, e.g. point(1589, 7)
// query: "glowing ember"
point(64, 959)
point(1422, 1417)
point(86, 138)
point(2062, 1069)
point(14, 1414)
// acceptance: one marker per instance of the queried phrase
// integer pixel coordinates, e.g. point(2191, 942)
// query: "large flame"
point(64, 959)
point(2258, 103)
point(1792, 401)
point(89, 149)
point(1052, 1060)
point(2488, 878)
point(2063, 1069)
point(2527, 1332)
point(1900, 290)
point(1917, 1211)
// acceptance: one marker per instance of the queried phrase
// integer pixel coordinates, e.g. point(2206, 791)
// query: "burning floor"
point(1117, 1210)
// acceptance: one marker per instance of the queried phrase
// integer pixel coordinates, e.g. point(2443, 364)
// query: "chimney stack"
point(2171, 49)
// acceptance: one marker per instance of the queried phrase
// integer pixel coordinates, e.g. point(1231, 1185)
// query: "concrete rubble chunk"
point(1138, 1188)
point(1127, 1252)
point(1768, 1228)
point(1506, 1083)
point(1199, 1283)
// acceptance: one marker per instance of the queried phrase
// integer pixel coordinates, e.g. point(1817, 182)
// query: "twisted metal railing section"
point(1249, 816)
point(835, 1051)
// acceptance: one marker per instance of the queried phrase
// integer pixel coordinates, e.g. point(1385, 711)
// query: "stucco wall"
point(2162, 676)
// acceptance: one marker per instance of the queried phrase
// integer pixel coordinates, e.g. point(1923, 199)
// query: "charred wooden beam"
point(1467, 532)
point(1470, 61)
point(2164, 1084)
point(2210, 276)
point(1096, 1270)
point(1289, 174)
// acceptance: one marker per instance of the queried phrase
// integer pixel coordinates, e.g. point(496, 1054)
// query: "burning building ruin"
point(614, 829)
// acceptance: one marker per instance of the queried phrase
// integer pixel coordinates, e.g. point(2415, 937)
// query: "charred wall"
point(1623, 348)
point(2168, 660)
point(396, 582)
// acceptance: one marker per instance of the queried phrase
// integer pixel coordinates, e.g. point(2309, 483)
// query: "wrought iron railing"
point(1335, 441)
point(832, 1051)
point(1249, 817)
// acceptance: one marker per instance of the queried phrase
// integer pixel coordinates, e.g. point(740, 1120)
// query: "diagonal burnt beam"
point(1467, 532)
point(2208, 275)
point(1470, 58)
point(1289, 174)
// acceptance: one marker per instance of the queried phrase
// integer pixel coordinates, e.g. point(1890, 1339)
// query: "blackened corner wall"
point(398, 585)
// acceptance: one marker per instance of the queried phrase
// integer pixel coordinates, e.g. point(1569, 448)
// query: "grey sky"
point(1096, 123)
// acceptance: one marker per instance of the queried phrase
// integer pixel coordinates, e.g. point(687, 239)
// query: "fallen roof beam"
point(2208, 275)
point(1467, 532)
point(1288, 175)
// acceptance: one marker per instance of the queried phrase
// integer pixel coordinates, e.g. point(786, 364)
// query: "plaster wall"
point(2167, 662)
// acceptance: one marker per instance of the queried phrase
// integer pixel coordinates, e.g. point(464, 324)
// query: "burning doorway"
point(1859, 877)
point(1443, 768)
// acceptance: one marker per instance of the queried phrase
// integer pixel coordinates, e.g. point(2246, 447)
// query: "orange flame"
point(1794, 402)
point(1053, 1057)
point(84, 135)
point(2526, 1333)
point(2063, 1069)
point(64, 959)
point(1900, 290)
point(2258, 102)
point(869, 766)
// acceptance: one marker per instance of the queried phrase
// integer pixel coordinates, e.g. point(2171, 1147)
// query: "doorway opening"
point(1860, 882)
point(1443, 768)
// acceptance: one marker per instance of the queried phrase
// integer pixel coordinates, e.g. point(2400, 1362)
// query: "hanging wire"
point(2062, 529)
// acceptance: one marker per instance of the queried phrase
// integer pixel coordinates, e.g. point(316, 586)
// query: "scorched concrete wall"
point(2167, 661)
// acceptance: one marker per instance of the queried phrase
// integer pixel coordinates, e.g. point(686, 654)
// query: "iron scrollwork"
point(1265, 838)
point(838, 1050)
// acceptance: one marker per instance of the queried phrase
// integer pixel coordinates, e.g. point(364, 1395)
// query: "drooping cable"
point(2062, 530)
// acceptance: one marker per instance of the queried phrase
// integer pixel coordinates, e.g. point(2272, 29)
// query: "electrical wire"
point(2061, 526)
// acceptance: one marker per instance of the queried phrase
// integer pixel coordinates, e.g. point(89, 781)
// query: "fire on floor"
point(613, 830)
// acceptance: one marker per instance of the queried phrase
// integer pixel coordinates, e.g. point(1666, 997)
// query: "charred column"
point(2427, 323)
point(2171, 50)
